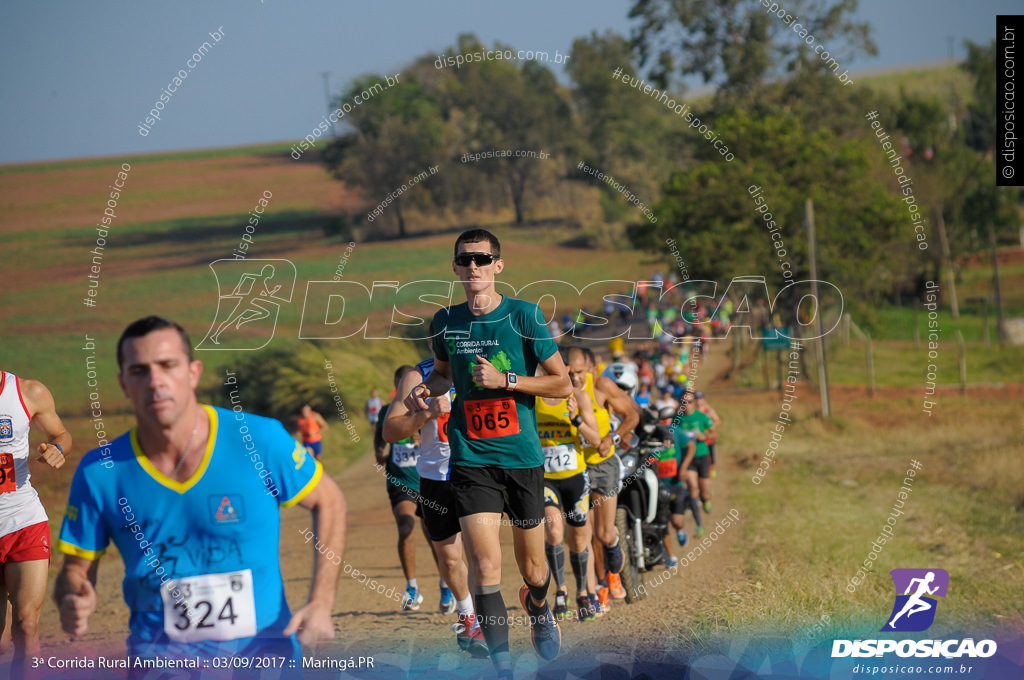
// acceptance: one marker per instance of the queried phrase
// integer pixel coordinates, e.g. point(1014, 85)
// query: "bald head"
point(577, 365)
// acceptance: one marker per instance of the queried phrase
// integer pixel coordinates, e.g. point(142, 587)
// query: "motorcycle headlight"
point(629, 462)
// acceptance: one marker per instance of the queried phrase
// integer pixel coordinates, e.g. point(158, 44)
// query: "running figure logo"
point(914, 609)
point(254, 302)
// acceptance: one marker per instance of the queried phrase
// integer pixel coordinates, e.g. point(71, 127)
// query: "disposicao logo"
point(915, 611)
point(912, 612)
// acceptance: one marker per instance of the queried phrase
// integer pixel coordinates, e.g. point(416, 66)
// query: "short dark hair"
point(401, 371)
point(478, 236)
point(147, 325)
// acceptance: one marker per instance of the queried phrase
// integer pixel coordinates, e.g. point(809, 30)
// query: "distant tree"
point(398, 133)
point(981, 113)
point(737, 44)
point(864, 234)
point(509, 107)
point(622, 132)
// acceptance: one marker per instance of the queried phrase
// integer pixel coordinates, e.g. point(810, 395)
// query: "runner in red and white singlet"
point(24, 527)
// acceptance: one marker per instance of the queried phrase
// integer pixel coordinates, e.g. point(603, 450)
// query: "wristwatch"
point(576, 420)
point(511, 380)
point(616, 438)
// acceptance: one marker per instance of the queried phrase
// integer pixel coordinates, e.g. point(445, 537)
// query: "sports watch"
point(511, 380)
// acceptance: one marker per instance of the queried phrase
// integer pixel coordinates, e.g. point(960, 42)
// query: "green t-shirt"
point(400, 464)
point(698, 421)
point(513, 337)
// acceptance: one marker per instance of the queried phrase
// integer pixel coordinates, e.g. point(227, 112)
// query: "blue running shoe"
point(413, 599)
point(681, 537)
point(614, 558)
point(545, 633)
point(447, 605)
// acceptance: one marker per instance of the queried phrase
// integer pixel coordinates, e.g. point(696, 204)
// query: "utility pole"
point(826, 407)
point(947, 263)
point(327, 97)
point(995, 283)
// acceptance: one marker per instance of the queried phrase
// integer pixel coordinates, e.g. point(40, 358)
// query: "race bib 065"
point(486, 418)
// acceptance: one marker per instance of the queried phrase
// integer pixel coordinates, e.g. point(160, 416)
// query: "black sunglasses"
point(480, 259)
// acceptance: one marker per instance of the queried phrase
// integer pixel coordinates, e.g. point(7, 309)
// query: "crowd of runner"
point(499, 420)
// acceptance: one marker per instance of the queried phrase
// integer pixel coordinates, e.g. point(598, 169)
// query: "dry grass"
point(831, 488)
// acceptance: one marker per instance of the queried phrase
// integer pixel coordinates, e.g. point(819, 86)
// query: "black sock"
point(493, 618)
point(695, 509)
point(579, 567)
point(539, 593)
point(556, 563)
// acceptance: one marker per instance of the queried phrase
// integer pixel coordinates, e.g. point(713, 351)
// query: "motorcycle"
point(642, 514)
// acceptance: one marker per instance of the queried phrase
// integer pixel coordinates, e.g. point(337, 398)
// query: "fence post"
point(963, 362)
point(736, 351)
point(917, 331)
point(871, 369)
point(984, 321)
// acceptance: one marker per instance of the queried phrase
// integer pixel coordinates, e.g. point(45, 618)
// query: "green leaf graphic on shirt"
point(500, 361)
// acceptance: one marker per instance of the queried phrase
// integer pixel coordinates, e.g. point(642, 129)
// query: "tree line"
point(796, 130)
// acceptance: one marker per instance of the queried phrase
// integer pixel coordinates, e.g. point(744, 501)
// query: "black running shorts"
point(680, 502)
point(398, 493)
point(570, 496)
point(702, 465)
point(518, 492)
point(437, 508)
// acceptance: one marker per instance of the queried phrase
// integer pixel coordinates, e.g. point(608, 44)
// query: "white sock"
point(411, 583)
point(441, 584)
point(465, 606)
point(615, 543)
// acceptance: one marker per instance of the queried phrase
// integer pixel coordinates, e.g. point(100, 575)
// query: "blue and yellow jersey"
point(202, 573)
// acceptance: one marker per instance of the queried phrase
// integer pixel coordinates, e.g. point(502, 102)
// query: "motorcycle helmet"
point(622, 375)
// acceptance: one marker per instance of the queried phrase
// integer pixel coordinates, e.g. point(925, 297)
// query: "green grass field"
point(810, 523)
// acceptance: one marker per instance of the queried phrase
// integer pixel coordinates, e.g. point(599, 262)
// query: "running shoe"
point(616, 591)
point(544, 630)
point(614, 558)
point(585, 610)
point(561, 610)
point(700, 531)
point(447, 605)
point(681, 537)
point(672, 562)
point(707, 505)
point(413, 599)
point(598, 607)
point(469, 636)
point(603, 598)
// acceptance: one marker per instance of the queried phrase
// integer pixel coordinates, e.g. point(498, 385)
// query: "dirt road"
point(371, 624)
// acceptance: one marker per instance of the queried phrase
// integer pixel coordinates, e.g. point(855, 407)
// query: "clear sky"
point(78, 77)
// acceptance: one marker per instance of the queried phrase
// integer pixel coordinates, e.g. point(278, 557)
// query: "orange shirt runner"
point(310, 429)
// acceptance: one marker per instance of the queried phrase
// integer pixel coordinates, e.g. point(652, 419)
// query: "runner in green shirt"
point(489, 347)
point(698, 478)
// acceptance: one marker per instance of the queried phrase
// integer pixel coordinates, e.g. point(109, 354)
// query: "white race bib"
point(560, 458)
point(404, 455)
point(213, 607)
